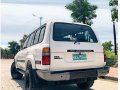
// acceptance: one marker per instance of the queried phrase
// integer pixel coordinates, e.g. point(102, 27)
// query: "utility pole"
point(39, 18)
point(114, 34)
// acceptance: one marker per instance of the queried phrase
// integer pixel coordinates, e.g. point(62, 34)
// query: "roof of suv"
point(68, 22)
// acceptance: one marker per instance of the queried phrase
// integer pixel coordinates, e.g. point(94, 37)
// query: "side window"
point(37, 36)
point(42, 34)
point(25, 43)
point(30, 41)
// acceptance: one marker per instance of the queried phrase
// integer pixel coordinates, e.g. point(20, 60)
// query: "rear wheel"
point(29, 80)
point(87, 84)
point(14, 73)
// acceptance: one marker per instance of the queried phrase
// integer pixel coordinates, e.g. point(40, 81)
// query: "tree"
point(23, 40)
point(107, 45)
point(114, 11)
point(82, 11)
point(114, 15)
point(1, 52)
point(5, 53)
point(13, 47)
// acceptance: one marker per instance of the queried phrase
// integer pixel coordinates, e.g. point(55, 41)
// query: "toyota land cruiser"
point(60, 53)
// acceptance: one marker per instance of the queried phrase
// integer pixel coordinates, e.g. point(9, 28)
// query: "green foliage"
point(113, 2)
point(9, 53)
point(107, 45)
point(111, 62)
point(110, 54)
point(5, 53)
point(23, 40)
point(114, 14)
point(114, 11)
point(82, 11)
point(112, 59)
point(13, 47)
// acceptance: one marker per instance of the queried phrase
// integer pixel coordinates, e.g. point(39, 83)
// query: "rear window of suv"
point(73, 32)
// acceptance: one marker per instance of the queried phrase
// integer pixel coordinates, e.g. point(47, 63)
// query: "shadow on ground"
point(58, 87)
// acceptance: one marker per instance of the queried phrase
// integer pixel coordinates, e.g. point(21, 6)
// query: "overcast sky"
point(17, 18)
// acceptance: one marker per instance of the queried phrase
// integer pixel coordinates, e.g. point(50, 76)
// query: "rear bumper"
point(103, 71)
point(72, 74)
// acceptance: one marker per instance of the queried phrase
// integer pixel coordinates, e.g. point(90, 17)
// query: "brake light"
point(104, 56)
point(46, 56)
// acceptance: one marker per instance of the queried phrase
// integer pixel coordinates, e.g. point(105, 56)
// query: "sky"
point(17, 17)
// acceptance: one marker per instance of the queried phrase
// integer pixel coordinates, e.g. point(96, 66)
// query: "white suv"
point(60, 53)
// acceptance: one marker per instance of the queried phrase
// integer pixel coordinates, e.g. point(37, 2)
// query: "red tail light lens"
point(104, 56)
point(46, 60)
point(46, 56)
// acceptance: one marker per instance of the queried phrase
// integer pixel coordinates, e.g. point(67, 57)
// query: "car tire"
point(86, 85)
point(29, 80)
point(14, 73)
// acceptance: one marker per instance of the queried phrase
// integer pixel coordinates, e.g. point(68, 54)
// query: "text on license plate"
point(79, 56)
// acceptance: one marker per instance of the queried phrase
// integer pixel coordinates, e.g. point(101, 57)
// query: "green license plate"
point(79, 57)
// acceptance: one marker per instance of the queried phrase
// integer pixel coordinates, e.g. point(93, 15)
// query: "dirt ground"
point(8, 84)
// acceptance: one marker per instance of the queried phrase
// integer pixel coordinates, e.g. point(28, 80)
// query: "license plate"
point(79, 56)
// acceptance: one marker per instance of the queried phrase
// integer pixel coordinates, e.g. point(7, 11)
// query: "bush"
point(111, 62)
point(112, 59)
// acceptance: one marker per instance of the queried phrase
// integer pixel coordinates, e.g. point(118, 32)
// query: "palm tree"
point(114, 16)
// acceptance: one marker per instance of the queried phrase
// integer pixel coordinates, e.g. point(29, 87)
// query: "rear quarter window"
point(37, 36)
point(72, 32)
point(30, 41)
point(25, 43)
point(42, 34)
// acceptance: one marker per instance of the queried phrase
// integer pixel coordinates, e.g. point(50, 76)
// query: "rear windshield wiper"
point(76, 40)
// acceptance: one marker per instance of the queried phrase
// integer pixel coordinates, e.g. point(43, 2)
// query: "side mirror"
point(17, 47)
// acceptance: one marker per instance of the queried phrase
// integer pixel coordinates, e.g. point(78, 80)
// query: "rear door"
point(74, 46)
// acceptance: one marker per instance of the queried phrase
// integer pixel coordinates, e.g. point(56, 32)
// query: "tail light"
point(46, 56)
point(104, 56)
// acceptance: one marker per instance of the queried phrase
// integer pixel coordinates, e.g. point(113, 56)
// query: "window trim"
point(40, 33)
point(26, 43)
point(38, 36)
point(32, 39)
point(44, 25)
point(73, 24)
point(43, 34)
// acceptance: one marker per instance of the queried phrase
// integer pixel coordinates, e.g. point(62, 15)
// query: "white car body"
point(61, 56)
